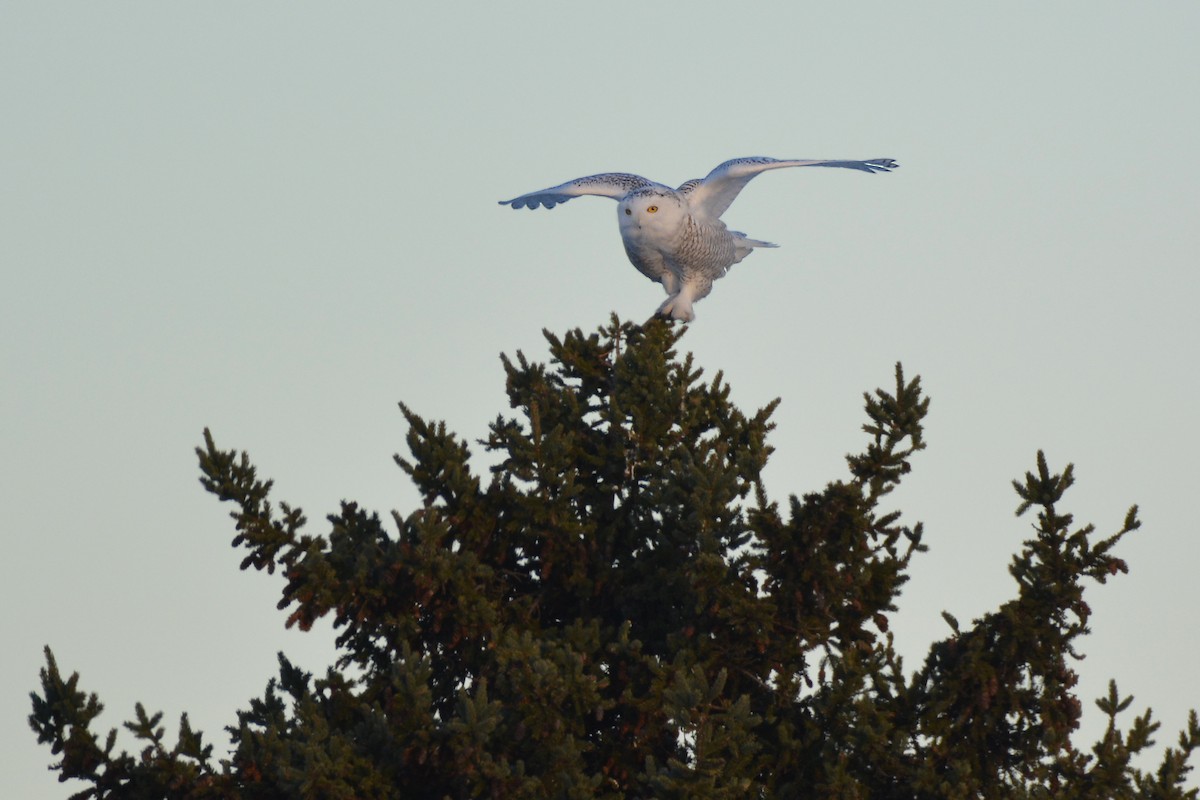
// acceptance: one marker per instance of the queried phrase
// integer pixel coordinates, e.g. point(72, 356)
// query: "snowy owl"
point(676, 236)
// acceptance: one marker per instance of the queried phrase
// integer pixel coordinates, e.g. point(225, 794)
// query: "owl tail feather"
point(743, 245)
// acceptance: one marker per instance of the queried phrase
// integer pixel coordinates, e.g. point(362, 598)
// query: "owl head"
point(650, 211)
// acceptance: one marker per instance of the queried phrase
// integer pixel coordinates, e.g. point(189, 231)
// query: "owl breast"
point(646, 256)
point(691, 249)
point(704, 249)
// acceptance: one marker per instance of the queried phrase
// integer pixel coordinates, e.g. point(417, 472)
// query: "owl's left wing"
point(609, 184)
point(712, 196)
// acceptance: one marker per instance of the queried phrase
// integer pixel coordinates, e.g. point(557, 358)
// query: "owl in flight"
point(676, 236)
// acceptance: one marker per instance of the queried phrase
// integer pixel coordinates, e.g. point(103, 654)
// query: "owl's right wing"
point(609, 184)
point(712, 196)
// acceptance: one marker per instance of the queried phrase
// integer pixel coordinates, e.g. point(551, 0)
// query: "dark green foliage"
point(62, 717)
point(620, 611)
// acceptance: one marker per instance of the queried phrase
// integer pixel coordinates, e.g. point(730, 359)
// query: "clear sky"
point(279, 219)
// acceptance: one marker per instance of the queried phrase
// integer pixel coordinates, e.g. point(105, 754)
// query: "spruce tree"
point(619, 611)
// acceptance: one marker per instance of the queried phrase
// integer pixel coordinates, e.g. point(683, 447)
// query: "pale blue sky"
point(280, 219)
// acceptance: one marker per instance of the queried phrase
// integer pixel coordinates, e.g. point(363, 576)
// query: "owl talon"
point(676, 307)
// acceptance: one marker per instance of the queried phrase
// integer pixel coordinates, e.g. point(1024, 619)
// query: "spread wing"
point(609, 184)
point(713, 195)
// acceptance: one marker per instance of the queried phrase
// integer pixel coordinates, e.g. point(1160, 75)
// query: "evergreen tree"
point(620, 611)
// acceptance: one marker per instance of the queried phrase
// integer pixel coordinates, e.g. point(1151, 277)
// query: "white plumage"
point(676, 236)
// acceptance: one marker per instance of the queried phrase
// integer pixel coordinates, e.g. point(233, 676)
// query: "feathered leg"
point(679, 305)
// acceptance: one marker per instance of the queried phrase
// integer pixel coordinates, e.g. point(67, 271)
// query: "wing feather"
point(608, 184)
point(713, 195)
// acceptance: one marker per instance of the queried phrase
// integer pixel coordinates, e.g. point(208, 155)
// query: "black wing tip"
point(540, 201)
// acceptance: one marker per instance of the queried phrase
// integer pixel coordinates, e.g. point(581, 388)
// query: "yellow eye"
point(628, 212)
point(652, 209)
